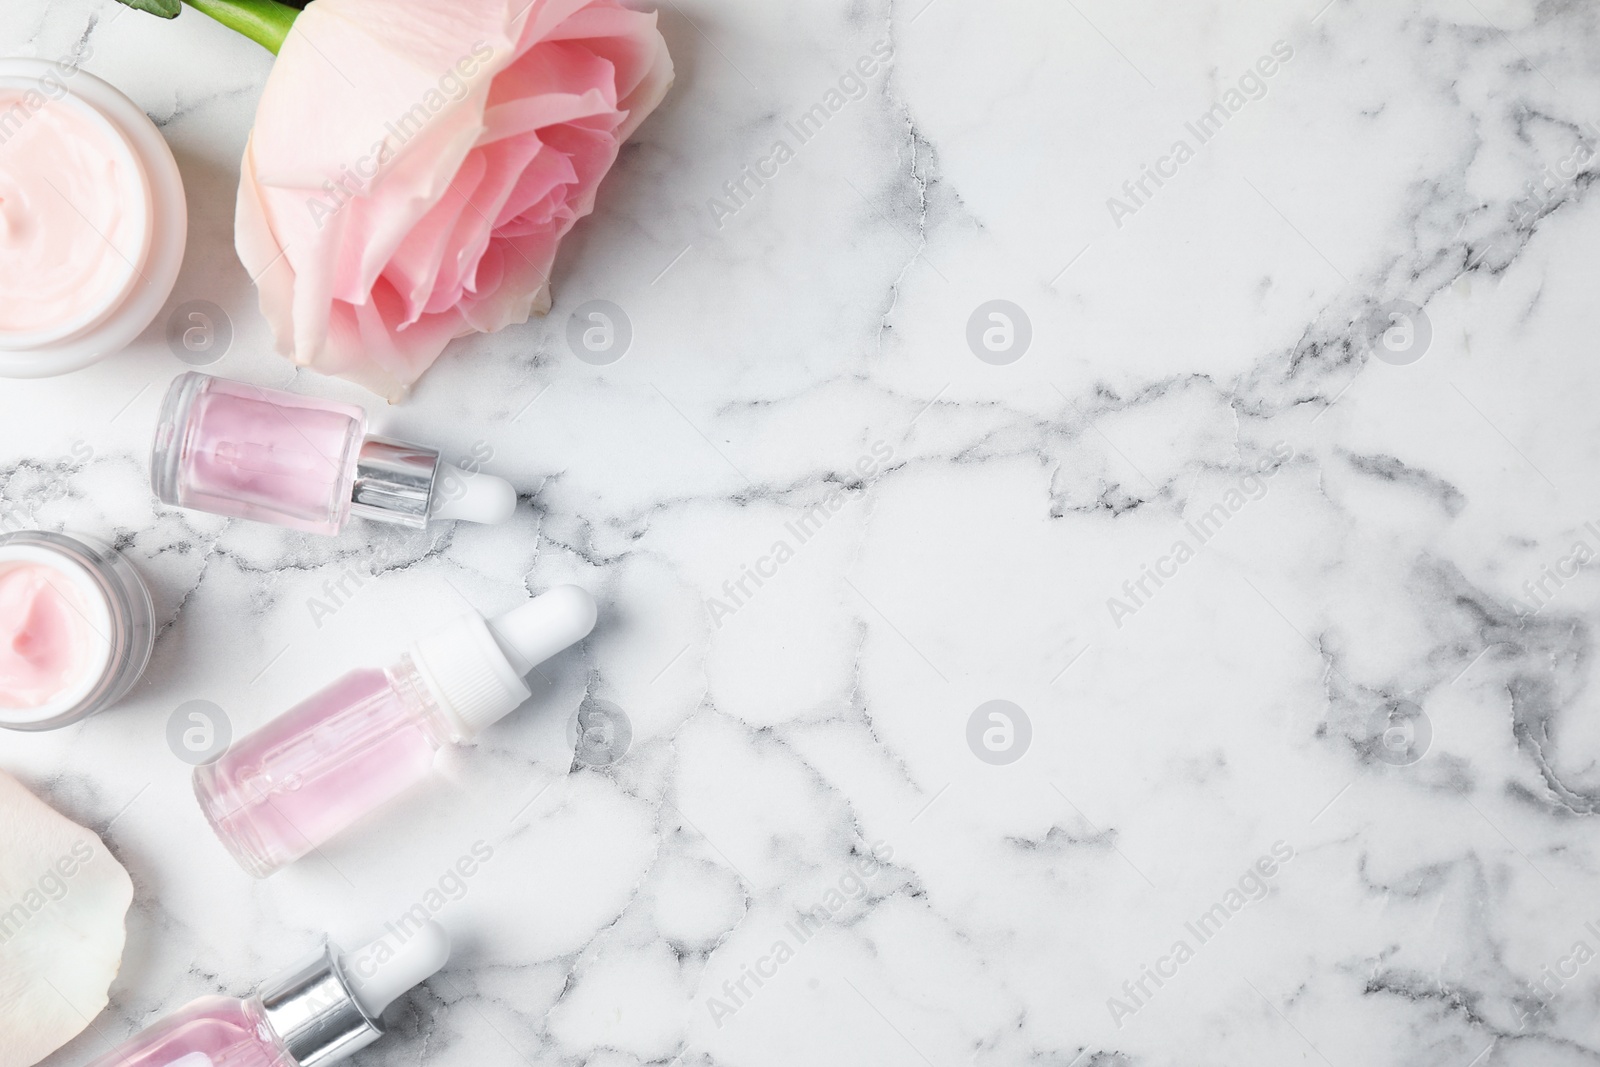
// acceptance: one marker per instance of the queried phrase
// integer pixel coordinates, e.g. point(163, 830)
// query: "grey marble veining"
point(1313, 787)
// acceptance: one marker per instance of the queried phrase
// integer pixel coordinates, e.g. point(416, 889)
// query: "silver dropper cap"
point(394, 482)
point(314, 1012)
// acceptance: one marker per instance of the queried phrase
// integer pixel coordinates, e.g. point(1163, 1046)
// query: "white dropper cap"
point(474, 669)
point(378, 973)
point(472, 496)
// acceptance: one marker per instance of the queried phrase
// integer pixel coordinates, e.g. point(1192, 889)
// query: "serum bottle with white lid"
point(321, 1011)
point(323, 765)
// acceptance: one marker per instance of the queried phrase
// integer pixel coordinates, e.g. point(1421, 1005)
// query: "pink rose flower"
point(415, 164)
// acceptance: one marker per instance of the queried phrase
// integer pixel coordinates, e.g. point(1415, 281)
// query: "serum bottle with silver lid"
point(321, 1011)
point(296, 461)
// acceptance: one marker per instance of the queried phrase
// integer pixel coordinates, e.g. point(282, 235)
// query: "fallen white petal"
point(63, 900)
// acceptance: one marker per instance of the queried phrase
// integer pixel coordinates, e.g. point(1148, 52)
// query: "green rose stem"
point(265, 22)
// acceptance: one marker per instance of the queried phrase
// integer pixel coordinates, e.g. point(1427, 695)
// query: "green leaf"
point(167, 9)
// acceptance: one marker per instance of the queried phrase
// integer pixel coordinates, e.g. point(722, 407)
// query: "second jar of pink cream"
point(76, 629)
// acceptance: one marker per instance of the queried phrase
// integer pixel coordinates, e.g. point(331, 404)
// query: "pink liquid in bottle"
point(253, 453)
point(296, 461)
point(320, 1011)
point(320, 767)
point(314, 771)
point(211, 1032)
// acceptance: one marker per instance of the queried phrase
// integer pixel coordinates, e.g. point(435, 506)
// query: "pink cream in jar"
point(76, 629)
point(92, 219)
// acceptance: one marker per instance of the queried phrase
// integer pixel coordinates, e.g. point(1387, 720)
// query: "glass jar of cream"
point(92, 219)
point(76, 629)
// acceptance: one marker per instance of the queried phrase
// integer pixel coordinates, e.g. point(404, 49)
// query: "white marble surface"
point(1220, 326)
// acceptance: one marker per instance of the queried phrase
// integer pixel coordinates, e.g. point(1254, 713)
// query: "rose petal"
point(415, 265)
point(454, 146)
point(63, 903)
